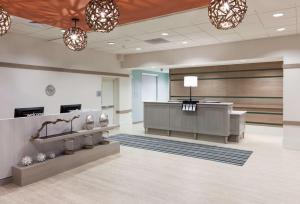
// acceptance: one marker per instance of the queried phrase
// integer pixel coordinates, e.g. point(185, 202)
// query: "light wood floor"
point(271, 176)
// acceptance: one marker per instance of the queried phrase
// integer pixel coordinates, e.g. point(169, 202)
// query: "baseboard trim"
point(291, 66)
point(5, 181)
point(123, 111)
point(137, 122)
point(292, 123)
point(264, 124)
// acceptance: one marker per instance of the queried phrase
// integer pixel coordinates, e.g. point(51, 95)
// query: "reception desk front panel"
point(157, 116)
point(187, 122)
point(209, 119)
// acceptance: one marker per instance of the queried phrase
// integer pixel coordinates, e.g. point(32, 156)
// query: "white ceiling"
point(192, 27)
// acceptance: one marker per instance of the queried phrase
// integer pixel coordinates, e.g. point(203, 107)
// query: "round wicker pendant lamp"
point(75, 38)
point(102, 15)
point(227, 14)
point(5, 21)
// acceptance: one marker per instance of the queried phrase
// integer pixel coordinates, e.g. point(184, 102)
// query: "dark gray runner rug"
point(200, 151)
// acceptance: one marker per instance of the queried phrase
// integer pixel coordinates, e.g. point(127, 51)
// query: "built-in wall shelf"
point(80, 133)
point(26, 175)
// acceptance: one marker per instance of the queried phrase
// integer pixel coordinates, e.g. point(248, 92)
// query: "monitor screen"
point(69, 108)
point(28, 112)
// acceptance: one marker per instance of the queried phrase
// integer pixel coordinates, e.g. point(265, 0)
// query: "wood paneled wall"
point(256, 88)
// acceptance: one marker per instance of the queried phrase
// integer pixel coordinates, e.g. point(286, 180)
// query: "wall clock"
point(50, 90)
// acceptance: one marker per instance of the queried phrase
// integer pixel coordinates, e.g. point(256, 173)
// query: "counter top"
point(179, 102)
point(238, 112)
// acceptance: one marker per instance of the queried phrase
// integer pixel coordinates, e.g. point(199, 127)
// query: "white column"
point(291, 108)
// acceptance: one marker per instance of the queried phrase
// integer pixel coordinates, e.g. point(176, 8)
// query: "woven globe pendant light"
point(102, 15)
point(75, 38)
point(5, 22)
point(227, 14)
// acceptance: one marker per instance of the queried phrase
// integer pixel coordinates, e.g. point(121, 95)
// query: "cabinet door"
point(182, 121)
point(156, 116)
point(213, 120)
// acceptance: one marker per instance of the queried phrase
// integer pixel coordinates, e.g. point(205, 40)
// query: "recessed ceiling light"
point(276, 15)
point(281, 29)
point(138, 48)
point(111, 43)
point(165, 34)
point(184, 42)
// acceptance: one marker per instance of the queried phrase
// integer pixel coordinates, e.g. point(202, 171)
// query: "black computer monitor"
point(27, 112)
point(69, 108)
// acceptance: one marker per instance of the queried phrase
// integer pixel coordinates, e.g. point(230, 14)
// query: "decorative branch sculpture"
point(37, 135)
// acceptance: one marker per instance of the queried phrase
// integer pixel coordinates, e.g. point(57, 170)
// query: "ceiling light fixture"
point(227, 14)
point(5, 22)
point(111, 43)
point(184, 42)
point(276, 15)
point(102, 15)
point(281, 29)
point(138, 48)
point(165, 34)
point(75, 38)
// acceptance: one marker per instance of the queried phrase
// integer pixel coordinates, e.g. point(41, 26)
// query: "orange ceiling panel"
point(58, 13)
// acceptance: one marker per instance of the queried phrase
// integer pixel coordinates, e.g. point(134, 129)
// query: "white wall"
point(21, 49)
point(26, 88)
point(286, 48)
point(291, 97)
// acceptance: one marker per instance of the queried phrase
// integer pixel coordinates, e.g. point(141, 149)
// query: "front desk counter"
point(215, 119)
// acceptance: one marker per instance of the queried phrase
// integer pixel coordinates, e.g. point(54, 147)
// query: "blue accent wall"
point(162, 92)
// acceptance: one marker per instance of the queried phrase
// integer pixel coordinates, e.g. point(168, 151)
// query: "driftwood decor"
point(46, 123)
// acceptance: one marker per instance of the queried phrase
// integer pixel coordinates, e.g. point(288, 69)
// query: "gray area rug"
point(200, 151)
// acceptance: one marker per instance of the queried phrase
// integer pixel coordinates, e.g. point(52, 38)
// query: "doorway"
point(149, 87)
point(109, 99)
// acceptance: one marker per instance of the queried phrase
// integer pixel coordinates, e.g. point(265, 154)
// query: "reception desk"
point(217, 119)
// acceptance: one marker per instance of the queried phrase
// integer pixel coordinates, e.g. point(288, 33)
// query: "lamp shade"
point(190, 81)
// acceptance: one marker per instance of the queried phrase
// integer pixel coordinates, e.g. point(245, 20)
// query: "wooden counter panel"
point(159, 114)
point(232, 67)
point(243, 74)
